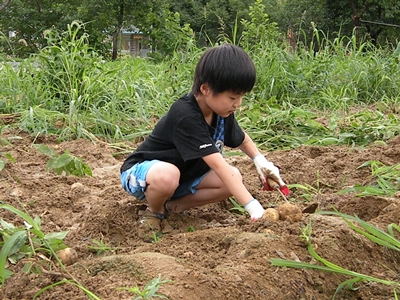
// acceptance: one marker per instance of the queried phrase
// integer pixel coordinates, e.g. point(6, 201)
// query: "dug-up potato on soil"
point(270, 214)
point(68, 256)
point(290, 212)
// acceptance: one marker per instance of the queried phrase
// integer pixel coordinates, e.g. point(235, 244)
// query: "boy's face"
point(224, 103)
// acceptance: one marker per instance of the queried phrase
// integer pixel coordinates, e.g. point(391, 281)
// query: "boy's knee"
point(165, 179)
point(168, 182)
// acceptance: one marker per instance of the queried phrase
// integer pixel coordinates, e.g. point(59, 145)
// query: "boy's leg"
point(162, 179)
point(210, 190)
point(156, 181)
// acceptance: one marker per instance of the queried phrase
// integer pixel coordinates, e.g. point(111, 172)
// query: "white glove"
point(254, 208)
point(267, 169)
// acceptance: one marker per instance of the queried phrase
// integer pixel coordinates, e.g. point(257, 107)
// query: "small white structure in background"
point(12, 34)
point(134, 43)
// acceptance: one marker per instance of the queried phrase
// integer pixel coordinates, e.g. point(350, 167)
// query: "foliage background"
point(375, 21)
point(346, 93)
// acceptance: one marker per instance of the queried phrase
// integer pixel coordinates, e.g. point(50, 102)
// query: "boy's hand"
point(267, 169)
point(254, 208)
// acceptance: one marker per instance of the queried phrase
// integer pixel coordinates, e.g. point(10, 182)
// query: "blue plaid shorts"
point(134, 183)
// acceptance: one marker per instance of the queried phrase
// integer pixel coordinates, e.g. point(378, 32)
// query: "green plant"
point(64, 163)
point(385, 180)
point(237, 207)
point(305, 232)
point(190, 229)
point(259, 29)
point(149, 290)
point(300, 98)
point(23, 243)
point(8, 157)
point(378, 236)
point(310, 192)
point(72, 282)
point(100, 246)
point(3, 141)
point(68, 66)
point(155, 236)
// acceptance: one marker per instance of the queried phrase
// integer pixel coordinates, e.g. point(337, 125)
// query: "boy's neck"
point(205, 109)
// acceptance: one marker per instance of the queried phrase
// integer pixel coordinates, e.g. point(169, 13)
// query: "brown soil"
point(227, 255)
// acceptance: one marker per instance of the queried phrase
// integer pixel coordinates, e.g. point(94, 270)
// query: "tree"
point(374, 17)
point(107, 18)
point(212, 19)
point(375, 20)
point(29, 19)
point(297, 18)
point(4, 5)
point(103, 19)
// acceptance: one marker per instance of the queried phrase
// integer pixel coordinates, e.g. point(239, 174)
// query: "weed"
point(155, 236)
point(5, 156)
point(190, 229)
point(63, 163)
point(67, 281)
point(237, 207)
point(23, 242)
point(310, 192)
point(378, 236)
point(68, 90)
point(149, 291)
point(28, 243)
point(3, 141)
point(305, 233)
point(385, 180)
point(8, 157)
point(100, 247)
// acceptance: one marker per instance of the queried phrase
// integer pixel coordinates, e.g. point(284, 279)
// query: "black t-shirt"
point(182, 137)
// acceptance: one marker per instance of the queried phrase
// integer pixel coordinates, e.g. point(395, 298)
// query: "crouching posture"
point(179, 165)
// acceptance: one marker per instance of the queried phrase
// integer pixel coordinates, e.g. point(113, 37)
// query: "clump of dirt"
point(213, 252)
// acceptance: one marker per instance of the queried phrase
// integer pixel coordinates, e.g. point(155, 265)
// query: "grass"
point(343, 94)
point(100, 247)
point(385, 180)
point(237, 208)
point(376, 235)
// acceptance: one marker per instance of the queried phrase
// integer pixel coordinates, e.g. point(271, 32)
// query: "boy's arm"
point(265, 168)
point(234, 184)
point(249, 147)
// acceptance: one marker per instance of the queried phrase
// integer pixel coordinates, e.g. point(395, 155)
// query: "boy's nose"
point(237, 103)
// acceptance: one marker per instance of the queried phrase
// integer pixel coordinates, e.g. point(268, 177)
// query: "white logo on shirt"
point(205, 146)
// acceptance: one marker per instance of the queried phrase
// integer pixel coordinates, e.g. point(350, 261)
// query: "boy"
point(179, 165)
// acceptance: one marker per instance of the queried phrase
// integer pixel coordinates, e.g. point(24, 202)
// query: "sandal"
point(166, 211)
point(151, 219)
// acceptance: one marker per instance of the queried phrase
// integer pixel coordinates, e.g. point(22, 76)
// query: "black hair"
point(225, 68)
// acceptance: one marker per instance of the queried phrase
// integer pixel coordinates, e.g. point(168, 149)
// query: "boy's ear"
point(205, 89)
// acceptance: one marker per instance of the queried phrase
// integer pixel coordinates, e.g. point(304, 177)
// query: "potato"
point(270, 214)
point(67, 256)
point(290, 212)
